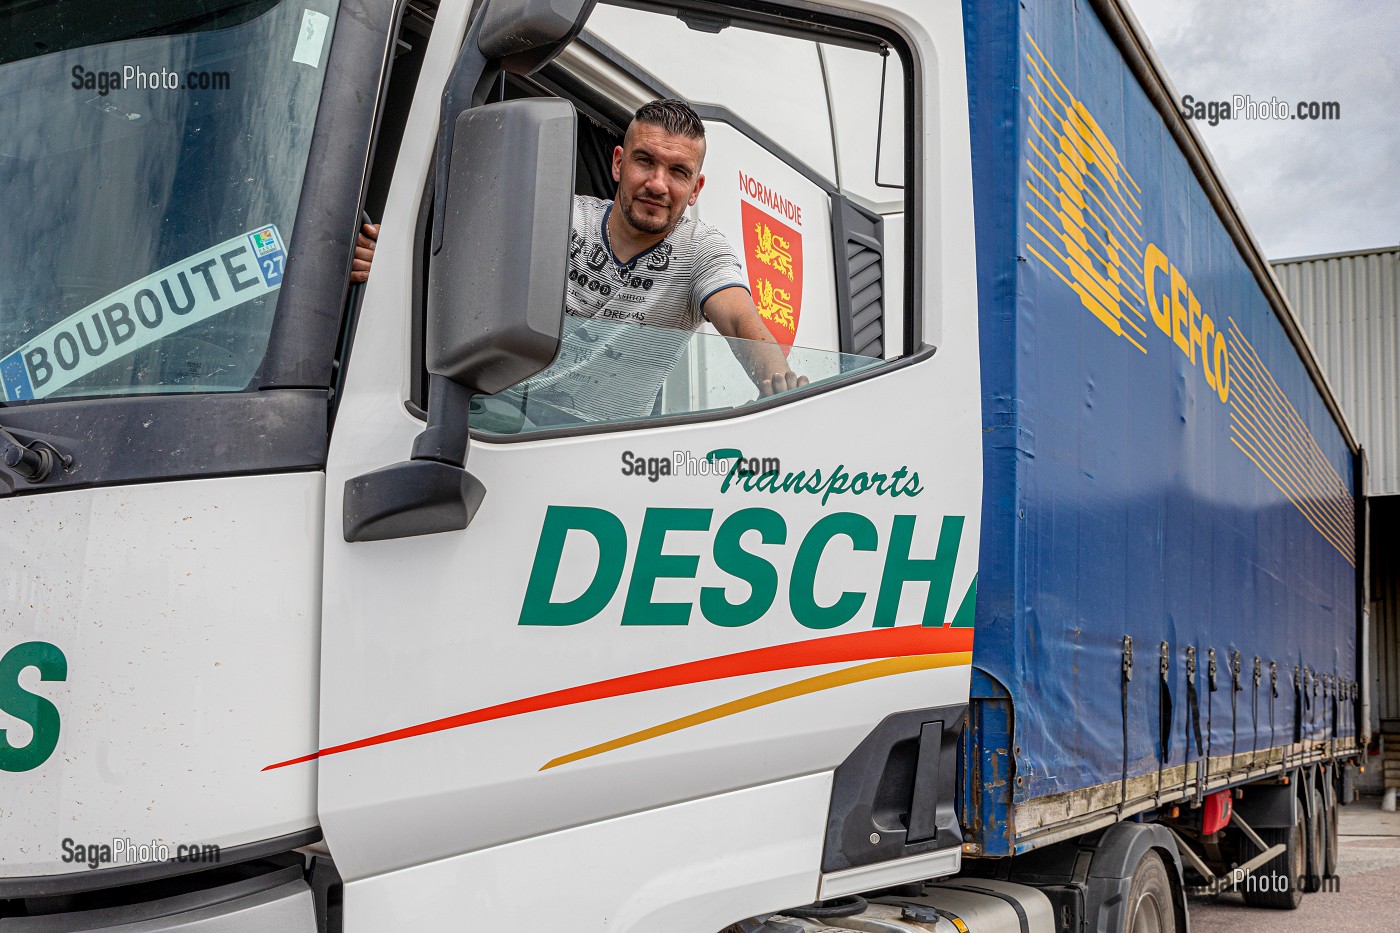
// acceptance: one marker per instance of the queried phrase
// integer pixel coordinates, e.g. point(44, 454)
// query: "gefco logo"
point(750, 545)
point(36, 711)
point(1178, 314)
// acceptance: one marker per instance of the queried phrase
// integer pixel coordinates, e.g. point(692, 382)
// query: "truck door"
point(721, 595)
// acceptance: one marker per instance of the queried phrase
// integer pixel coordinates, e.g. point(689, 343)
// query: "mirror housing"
point(524, 35)
point(496, 288)
point(495, 311)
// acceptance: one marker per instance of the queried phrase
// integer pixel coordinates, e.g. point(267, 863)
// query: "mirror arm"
point(446, 436)
point(468, 86)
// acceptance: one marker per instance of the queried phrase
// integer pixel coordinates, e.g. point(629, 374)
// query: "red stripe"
point(900, 641)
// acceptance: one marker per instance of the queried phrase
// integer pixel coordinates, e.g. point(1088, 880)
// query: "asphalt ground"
point(1367, 899)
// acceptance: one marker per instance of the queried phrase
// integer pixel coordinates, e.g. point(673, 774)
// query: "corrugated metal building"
point(1349, 306)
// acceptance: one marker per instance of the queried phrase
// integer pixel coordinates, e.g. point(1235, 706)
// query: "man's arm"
point(732, 312)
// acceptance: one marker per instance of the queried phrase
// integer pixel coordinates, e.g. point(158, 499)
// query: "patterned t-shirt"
point(610, 368)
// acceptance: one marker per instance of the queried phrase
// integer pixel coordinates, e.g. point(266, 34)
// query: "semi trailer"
point(1040, 607)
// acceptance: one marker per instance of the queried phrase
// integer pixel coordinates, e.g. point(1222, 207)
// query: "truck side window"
point(798, 181)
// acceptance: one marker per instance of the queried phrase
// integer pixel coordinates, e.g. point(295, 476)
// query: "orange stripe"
point(841, 678)
point(899, 641)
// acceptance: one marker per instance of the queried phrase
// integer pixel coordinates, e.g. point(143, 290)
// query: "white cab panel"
point(188, 615)
point(696, 866)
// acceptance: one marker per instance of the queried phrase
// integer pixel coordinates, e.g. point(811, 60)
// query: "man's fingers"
point(364, 254)
point(781, 382)
point(370, 230)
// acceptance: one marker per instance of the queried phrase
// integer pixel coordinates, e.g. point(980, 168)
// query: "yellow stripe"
point(1330, 478)
point(1345, 555)
point(1285, 485)
point(1105, 315)
point(1113, 152)
point(1299, 428)
point(841, 678)
point(1092, 137)
point(1077, 188)
point(1284, 448)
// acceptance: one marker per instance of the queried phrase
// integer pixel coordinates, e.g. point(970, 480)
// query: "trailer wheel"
point(1330, 836)
point(1150, 906)
point(1312, 880)
point(1277, 885)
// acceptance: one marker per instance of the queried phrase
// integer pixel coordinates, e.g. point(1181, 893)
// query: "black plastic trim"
point(881, 797)
point(1115, 861)
point(78, 882)
point(846, 219)
point(328, 894)
point(1269, 806)
point(306, 330)
point(413, 497)
point(149, 438)
point(179, 911)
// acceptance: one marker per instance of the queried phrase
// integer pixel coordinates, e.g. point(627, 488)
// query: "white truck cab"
point(311, 622)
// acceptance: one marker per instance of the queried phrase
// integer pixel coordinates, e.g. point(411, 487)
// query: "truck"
point(1040, 608)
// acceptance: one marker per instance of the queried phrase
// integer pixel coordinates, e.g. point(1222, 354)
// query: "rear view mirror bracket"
point(495, 306)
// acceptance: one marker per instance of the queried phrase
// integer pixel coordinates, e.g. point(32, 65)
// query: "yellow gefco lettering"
point(1178, 315)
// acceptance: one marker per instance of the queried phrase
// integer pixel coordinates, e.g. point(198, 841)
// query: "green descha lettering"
point(651, 565)
point(967, 610)
point(606, 528)
point(743, 564)
point(731, 557)
point(38, 712)
point(802, 592)
point(900, 569)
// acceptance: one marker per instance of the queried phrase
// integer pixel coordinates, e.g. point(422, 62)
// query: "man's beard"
point(646, 224)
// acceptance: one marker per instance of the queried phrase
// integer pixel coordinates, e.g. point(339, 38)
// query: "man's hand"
point(732, 312)
point(781, 382)
point(364, 253)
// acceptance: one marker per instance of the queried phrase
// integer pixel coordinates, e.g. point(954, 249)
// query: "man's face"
point(658, 176)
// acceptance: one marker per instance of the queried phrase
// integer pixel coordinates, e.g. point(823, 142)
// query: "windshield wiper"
point(32, 462)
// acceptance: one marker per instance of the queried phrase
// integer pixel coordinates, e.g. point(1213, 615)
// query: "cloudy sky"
point(1304, 187)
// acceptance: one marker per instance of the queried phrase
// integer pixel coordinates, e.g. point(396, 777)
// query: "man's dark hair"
point(673, 116)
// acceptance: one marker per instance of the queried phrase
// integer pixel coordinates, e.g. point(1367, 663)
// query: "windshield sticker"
point(311, 37)
point(149, 309)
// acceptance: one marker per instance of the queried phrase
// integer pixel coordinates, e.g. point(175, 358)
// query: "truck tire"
point(1277, 885)
point(1150, 906)
point(1331, 837)
point(1312, 879)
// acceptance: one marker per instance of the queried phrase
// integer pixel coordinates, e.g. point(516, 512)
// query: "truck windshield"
point(151, 160)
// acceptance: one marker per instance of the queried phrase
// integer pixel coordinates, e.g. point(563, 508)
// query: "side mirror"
point(496, 288)
point(495, 310)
